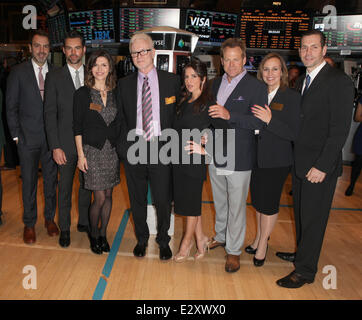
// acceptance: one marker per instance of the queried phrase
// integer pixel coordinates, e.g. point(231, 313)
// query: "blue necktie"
point(307, 82)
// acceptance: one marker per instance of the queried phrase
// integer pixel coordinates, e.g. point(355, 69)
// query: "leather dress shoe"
point(293, 280)
point(232, 263)
point(104, 244)
point(29, 235)
point(165, 253)
point(64, 239)
point(139, 250)
point(214, 244)
point(287, 256)
point(51, 228)
point(82, 228)
point(95, 245)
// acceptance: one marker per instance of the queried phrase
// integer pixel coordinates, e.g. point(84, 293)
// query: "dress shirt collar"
point(314, 73)
point(36, 67)
point(150, 74)
point(234, 81)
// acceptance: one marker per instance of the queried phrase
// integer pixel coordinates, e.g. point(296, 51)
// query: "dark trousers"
point(65, 187)
point(29, 163)
point(1, 190)
point(312, 204)
point(159, 177)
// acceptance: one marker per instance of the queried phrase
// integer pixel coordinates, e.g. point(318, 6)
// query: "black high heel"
point(260, 262)
point(104, 245)
point(95, 245)
point(251, 250)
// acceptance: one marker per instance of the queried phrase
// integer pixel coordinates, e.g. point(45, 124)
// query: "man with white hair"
point(147, 101)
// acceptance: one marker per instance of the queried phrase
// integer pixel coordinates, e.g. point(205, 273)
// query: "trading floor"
point(77, 273)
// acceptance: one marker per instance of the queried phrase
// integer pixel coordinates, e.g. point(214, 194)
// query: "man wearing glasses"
point(147, 101)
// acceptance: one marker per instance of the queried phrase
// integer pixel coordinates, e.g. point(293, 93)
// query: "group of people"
point(81, 116)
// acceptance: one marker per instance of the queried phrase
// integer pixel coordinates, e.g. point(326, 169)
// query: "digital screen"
point(273, 28)
point(136, 19)
point(97, 26)
point(211, 27)
point(343, 33)
point(57, 30)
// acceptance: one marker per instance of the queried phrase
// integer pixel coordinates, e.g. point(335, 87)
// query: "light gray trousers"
point(230, 193)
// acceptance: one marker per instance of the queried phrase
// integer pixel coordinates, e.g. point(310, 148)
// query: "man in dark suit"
point(326, 110)
point(148, 100)
point(24, 102)
point(60, 86)
point(236, 93)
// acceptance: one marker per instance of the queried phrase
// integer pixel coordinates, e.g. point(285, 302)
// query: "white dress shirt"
point(313, 74)
point(81, 74)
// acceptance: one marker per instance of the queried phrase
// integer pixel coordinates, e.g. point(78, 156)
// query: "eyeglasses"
point(142, 52)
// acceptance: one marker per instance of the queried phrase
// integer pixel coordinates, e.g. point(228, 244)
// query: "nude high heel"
point(181, 258)
point(198, 255)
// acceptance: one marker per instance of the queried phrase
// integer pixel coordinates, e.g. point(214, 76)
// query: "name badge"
point(170, 100)
point(96, 107)
point(277, 106)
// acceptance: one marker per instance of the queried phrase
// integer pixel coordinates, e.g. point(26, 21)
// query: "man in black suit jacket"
point(236, 93)
point(24, 101)
point(60, 86)
point(326, 110)
point(161, 89)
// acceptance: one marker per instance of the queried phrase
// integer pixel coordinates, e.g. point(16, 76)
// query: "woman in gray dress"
point(96, 125)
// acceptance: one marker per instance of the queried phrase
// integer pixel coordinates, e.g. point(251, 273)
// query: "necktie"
point(307, 82)
point(77, 80)
point(147, 110)
point(41, 83)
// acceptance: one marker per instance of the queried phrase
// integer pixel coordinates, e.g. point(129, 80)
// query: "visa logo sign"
point(200, 22)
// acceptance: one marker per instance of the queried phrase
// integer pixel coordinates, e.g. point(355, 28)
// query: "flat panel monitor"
point(213, 28)
point(97, 26)
point(57, 29)
point(344, 33)
point(136, 19)
point(273, 28)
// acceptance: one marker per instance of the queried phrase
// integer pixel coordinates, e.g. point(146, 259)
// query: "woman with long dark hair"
point(188, 179)
point(96, 129)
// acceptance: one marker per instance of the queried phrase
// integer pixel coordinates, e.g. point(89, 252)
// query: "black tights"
point(356, 169)
point(100, 209)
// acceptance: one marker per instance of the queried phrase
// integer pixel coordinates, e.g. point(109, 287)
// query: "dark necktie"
point(147, 110)
point(41, 83)
point(307, 82)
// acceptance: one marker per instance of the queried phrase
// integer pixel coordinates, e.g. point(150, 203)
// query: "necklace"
point(102, 91)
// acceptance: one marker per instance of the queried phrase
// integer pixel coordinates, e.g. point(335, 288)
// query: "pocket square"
point(96, 107)
point(170, 100)
point(277, 106)
point(239, 99)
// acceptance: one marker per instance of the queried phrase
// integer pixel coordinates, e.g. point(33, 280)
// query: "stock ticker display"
point(272, 28)
point(344, 33)
point(57, 29)
point(211, 27)
point(97, 26)
point(135, 19)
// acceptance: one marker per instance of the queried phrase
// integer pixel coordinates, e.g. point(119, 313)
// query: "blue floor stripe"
point(291, 206)
point(102, 283)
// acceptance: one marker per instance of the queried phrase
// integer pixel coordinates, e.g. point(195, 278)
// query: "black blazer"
point(90, 124)
point(274, 147)
point(169, 87)
point(24, 105)
point(249, 91)
point(326, 113)
point(58, 110)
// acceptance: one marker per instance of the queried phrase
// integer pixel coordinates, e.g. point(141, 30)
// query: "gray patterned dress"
point(103, 165)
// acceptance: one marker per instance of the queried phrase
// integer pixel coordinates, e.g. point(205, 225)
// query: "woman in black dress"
point(274, 150)
point(188, 179)
point(96, 125)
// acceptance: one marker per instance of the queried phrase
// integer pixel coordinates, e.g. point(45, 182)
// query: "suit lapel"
point(32, 78)
point(234, 94)
point(161, 84)
point(68, 78)
point(133, 99)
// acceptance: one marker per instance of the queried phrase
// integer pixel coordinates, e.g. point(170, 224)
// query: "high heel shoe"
point(181, 258)
point(104, 245)
point(260, 262)
point(95, 245)
point(206, 248)
point(251, 250)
